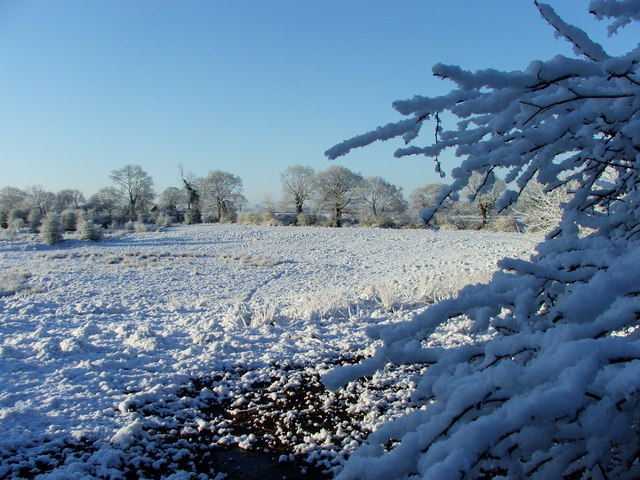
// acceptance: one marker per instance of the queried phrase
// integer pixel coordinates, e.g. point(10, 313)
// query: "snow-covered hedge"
point(553, 389)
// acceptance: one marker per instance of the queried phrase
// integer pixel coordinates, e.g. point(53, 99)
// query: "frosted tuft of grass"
point(436, 288)
point(14, 281)
point(252, 314)
point(253, 260)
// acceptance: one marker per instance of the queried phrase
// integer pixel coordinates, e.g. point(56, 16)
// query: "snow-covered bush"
point(18, 213)
point(305, 219)
point(163, 220)
point(89, 230)
point(552, 387)
point(137, 226)
point(15, 223)
point(51, 228)
point(8, 234)
point(13, 281)
point(261, 217)
point(33, 220)
point(504, 223)
point(69, 219)
point(4, 218)
point(141, 227)
point(191, 217)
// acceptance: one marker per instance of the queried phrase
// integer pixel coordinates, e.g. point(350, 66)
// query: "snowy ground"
point(161, 353)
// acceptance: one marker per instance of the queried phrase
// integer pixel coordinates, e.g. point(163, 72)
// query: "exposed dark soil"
point(241, 464)
point(273, 423)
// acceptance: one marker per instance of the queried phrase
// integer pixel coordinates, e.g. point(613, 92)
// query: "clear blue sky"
point(249, 87)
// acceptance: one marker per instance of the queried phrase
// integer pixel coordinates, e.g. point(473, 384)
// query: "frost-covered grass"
point(253, 260)
point(13, 281)
point(145, 350)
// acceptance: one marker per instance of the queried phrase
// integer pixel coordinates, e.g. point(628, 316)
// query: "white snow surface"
point(100, 329)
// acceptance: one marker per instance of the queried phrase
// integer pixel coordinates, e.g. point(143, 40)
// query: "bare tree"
point(136, 185)
point(336, 188)
point(172, 199)
point(484, 191)
point(41, 200)
point(68, 198)
point(426, 197)
point(541, 211)
point(297, 185)
point(380, 198)
point(108, 199)
point(12, 197)
point(222, 191)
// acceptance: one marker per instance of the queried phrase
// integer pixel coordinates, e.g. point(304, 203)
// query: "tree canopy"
point(136, 186)
point(336, 188)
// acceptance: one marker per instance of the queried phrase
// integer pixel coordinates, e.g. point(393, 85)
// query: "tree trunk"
point(337, 217)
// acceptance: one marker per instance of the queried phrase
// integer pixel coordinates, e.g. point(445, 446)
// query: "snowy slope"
point(102, 329)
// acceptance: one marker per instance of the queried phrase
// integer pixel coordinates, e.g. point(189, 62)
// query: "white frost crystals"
point(554, 392)
point(114, 354)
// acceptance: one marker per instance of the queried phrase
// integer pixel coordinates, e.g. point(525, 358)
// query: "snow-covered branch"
point(551, 388)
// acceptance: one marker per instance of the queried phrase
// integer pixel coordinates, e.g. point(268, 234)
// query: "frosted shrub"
point(389, 296)
point(305, 219)
point(263, 217)
point(551, 388)
point(34, 220)
point(16, 223)
point(8, 234)
point(249, 218)
point(69, 219)
point(163, 220)
point(20, 213)
point(317, 305)
point(433, 289)
point(141, 227)
point(51, 229)
point(88, 230)
point(4, 218)
point(209, 217)
point(504, 223)
point(229, 217)
point(267, 217)
point(13, 281)
point(192, 216)
point(380, 221)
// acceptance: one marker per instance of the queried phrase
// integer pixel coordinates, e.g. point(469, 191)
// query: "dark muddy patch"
point(239, 464)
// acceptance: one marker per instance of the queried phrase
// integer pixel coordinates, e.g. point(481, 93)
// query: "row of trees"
point(329, 196)
point(374, 201)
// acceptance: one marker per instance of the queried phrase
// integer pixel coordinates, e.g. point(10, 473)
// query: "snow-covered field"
point(161, 353)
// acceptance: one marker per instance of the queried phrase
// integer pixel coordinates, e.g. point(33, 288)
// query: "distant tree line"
point(332, 197)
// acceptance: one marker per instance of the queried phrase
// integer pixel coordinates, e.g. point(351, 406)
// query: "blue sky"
point(248, 87)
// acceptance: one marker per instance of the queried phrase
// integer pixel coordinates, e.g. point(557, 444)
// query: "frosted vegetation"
point(175, 352)
point(335, 196)
point(552, 389)
point(355, 353)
